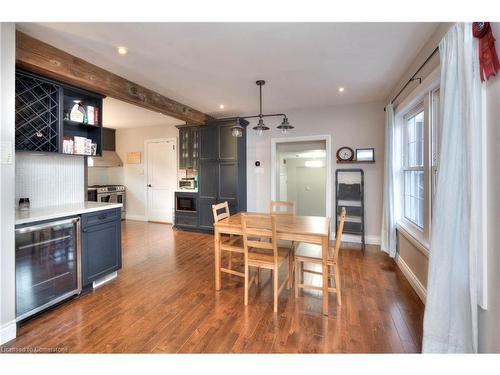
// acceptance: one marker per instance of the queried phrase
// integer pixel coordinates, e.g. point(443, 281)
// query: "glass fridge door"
point(47, 265)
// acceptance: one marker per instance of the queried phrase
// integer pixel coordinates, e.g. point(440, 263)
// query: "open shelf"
point(81, 124)
point(355, 161)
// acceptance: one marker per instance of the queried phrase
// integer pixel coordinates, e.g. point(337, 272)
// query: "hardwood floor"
point(164, 301)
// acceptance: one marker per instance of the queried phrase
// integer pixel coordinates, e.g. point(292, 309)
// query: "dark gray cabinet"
point(101, 244)
point(188, 147)
point(222, 169)
point(42, 110)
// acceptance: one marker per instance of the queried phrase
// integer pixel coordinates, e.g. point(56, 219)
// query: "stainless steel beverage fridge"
point(48, 265)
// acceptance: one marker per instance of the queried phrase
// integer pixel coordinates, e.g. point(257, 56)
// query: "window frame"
point(413, 112)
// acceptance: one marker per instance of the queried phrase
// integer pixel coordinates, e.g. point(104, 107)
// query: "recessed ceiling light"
point(341, 89)
point(221, 106)
point(122, 50)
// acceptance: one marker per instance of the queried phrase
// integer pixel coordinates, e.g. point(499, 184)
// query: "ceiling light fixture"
point(122, 50)
point(221, 106)
point(260, 128)
point(341, 89)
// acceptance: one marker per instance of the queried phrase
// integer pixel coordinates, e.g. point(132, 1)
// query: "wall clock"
point(345, 154)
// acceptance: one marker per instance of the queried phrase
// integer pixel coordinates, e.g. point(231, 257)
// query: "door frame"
point(145, 181)
point(322, 137)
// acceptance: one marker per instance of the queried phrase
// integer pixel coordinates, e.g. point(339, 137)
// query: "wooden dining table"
point(310, 229)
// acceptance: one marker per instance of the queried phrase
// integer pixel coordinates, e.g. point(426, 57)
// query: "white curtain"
point(450, 321)
point(388, 232)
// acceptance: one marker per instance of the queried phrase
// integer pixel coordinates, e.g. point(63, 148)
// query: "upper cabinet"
point(54, 117)
point(37, 114)
point(188, 147)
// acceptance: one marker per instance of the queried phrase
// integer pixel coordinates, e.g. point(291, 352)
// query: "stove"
point(107, 188)
point(107, 193)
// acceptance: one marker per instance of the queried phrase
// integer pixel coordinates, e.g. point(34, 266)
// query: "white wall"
point(49, 179)
point(489, 320)
point(132, 139)
point(7, 187)
point(359, 125)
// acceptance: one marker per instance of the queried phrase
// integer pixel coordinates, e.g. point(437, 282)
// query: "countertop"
point(54, 212)
point(186, 190)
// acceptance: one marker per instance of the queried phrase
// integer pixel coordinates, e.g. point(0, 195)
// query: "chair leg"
point(246, 280)
point(276, 286)
point(337, 284)
point(289, 273)
point(258, 276)
point(296, 273)
point(230, 262)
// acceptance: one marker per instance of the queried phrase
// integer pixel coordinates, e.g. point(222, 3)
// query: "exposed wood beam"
point(39, 57)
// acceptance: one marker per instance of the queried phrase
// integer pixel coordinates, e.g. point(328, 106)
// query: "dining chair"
point(312, 254)
point(231, 244)
point(264, 253)
point(278, 206)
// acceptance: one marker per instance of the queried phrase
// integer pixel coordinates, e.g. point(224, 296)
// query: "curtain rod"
point(413, 76)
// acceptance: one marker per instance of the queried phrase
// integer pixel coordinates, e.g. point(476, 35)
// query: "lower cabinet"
point(101, 244)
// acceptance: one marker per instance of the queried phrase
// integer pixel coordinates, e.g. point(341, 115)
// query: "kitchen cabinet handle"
point(149, 185)
point(102, 217)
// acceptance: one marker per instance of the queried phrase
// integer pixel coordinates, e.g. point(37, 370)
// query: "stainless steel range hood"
point(108, 159)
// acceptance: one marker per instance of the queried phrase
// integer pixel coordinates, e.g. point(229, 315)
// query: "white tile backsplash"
point(49, 180)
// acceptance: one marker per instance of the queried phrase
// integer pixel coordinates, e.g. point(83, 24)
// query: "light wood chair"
point(277, 205)
point(264, 253)
point(231, 244)
point(313, 255)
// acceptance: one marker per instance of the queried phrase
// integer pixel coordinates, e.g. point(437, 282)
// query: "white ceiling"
point(118, 115)
point(207, 64)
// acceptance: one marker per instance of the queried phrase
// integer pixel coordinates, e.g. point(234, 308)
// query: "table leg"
point(217, 258)
point(325, 245)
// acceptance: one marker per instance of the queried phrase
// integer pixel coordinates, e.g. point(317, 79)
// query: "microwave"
point(185, 203)
point(188, 183)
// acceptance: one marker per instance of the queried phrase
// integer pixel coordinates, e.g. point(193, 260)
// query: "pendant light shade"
point(237, 131)
point(260, 127)
point(285, 126)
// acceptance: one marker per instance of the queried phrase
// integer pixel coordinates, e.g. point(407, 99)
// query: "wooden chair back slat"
point(224, 206)
point(276, 208)
point(263, 227)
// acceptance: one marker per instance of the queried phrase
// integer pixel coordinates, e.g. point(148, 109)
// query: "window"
point(413, 166)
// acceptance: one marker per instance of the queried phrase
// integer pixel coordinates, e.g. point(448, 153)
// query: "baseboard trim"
point(135, 217)
point(370, 240)
point(412, 279)
point(7, 332)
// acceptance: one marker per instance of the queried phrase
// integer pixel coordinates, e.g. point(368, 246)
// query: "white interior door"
point(161, 181)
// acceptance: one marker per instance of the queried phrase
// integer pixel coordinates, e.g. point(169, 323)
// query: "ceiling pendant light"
point(237, 130)
point(260, 127)
point(285, 126)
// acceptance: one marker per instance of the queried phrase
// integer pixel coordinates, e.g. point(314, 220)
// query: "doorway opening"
point(301, 174)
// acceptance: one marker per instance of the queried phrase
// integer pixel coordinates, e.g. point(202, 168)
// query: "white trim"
point(145, 180)
point(135, 217)
point(412, 279)
point(407, 233)
point(369, 239)
point(321, 137)
point(8, 332)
